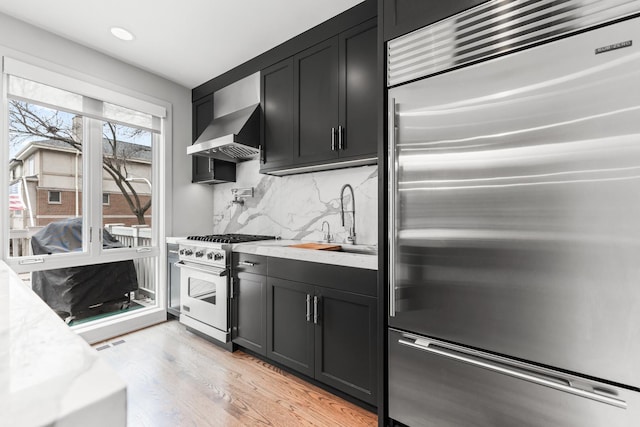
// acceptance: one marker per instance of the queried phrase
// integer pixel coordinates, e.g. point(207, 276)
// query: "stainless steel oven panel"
point(203, 294)
point(436, 384)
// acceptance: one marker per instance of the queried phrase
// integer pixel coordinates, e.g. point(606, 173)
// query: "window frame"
point(108, 202)
point(111, 326)
point(54, 202)
point(92, 161)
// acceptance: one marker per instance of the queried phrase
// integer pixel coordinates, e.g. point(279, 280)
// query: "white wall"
point(189, 206)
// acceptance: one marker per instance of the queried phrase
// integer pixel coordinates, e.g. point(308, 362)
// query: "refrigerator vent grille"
point(492, 28)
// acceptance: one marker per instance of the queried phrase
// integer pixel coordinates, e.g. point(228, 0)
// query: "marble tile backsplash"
point(294, 207)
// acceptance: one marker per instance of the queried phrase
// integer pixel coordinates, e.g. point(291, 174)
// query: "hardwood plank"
point(175, 378)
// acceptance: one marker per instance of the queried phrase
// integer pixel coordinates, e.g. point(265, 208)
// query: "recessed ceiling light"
point(122, 34)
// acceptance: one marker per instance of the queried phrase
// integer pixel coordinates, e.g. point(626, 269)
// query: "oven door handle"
point(215, 271)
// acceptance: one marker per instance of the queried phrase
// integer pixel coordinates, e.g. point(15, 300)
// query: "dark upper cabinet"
point(276, 95)
point(404, 16)
point(204, 169)
point(333, 105)
point(202, 111)
point(358, 96)
point(315, 90)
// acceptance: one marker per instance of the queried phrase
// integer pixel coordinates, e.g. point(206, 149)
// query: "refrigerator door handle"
point(393, 170)
point(475, 360)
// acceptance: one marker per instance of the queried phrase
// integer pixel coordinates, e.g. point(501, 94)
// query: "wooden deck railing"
point(20, 241)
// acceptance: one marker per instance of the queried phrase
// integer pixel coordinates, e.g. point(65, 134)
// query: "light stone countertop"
point(49, 375)
point(173, 240)
point(281, 249)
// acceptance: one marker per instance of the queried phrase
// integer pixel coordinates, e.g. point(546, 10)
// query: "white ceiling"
point(186, 41)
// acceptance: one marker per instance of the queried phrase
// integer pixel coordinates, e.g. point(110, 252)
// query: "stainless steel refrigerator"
point(514, 217)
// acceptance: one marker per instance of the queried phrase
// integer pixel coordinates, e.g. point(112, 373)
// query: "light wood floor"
point(175, 378)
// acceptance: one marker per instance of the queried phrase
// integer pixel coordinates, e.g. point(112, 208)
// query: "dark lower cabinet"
point(324, 329)
point(249, 326)
point(173, 280)
point(249, 302)
point(324, 333)
point(345, 352)
point(290, 325)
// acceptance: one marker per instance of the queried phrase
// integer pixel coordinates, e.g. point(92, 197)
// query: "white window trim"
point(116, 325)
point(162, 169)
point(49, 201)
point(94, 253)
point(108, 202)
point(81, 87)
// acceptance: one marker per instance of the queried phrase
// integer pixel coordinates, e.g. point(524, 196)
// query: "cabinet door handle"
point(333, 139)
point(341, 144)
point(248, 263)
point(315, 309)
point(308, 308)
point(231, 288)
point(262, 156)
point(210, 164)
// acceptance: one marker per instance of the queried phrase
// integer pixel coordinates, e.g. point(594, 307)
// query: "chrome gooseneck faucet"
point(351, 238)
point(326, 238)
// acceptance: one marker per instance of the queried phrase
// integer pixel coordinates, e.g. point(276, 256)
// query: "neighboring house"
point(52, 171)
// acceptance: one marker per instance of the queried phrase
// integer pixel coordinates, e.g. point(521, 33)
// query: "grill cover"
point(74, 290)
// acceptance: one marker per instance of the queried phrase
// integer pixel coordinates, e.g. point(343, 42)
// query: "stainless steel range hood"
point(232, 137)
point(234, 133)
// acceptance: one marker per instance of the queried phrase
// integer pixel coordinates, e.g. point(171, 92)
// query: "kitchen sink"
point(359, 249)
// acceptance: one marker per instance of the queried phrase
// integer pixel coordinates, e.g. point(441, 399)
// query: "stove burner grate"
point(230, 238)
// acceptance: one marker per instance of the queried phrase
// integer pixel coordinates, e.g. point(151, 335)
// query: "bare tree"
point(27, 122)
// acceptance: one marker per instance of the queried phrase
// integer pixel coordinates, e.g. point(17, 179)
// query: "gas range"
point(230, 238)
point(205, 286)
point(213, 249)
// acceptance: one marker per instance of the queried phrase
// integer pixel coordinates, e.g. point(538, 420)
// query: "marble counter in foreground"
point(51, 376)
point(281, 249)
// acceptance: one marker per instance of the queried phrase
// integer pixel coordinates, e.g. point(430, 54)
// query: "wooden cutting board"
point(317, 246)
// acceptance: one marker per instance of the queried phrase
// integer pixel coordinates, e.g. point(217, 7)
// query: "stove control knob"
point(181, 251)
point(199, 254)
point(217, 256)
point(188, 252)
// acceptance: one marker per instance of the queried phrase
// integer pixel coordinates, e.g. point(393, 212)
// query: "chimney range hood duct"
point(232, 137)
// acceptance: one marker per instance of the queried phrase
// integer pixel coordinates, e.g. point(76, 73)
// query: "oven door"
point(203, 294)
